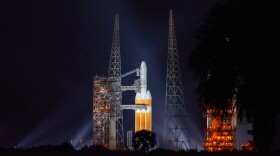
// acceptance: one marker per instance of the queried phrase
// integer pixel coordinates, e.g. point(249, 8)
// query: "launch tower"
point(107, 100)
point(107, 113)
point(114, 72)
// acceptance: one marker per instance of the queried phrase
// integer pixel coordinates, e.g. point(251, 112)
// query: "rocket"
point(143, 118)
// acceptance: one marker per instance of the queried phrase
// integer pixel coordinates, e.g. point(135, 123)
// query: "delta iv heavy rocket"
point(143, 118)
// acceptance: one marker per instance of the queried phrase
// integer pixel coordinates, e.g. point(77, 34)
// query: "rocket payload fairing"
point(143, 118)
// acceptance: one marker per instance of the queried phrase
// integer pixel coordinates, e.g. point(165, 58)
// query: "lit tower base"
point(220, 132)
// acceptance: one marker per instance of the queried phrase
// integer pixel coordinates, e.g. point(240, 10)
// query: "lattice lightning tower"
point(115, 57)
point(116, 115)
point(175, 122)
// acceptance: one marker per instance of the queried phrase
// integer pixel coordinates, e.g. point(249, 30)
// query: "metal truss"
point(101, 110)
point(175, 122)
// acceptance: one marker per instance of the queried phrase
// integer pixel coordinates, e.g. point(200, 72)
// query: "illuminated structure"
point(107, 99)
point(175, 122)
point(116, 140)
point(220, 132)
point(104, 96)
point(143, 118)
point(107, 112)
point(101, 110)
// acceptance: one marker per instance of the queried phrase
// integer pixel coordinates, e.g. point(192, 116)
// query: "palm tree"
point(235, 57)
point(144, 141)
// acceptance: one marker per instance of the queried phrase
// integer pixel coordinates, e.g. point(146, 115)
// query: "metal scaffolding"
point(104, 110)
point(220, 132)
point(116, 115)
point(115, 57)
point(107, 99)
point(108, 124)
point(175, 122)
point(101, 110)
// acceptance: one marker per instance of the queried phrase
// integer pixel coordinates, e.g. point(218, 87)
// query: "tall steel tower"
point(107, 99)
point(175, 122)
point(116, 115)
point(115, 57)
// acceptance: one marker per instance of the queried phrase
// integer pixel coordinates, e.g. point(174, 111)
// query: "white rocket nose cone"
point(143, 64)
point(138, 96)
point(148, 95)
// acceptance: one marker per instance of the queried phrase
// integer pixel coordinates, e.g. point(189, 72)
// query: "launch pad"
point(106, 115)
point(108, 107)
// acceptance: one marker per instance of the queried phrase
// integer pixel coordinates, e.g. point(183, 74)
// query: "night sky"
point(51, 50)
